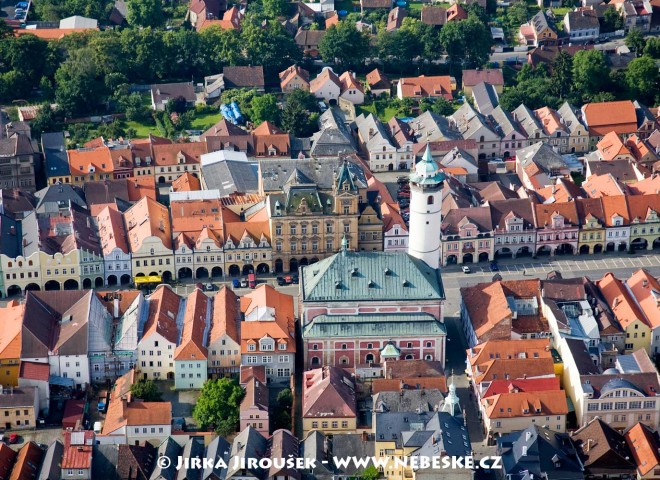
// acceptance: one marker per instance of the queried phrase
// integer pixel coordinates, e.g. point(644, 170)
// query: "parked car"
point(465, 269)
point(23, 5)
point(252, 280)
point(494, 267)
point(244, 283)
point(288, 280)
point(13, 439)
point(209, 287)
point(19, 16)
point(294, 279)
point(236, 283)
point(402, 180)
point(281, 281)
point(19, 10)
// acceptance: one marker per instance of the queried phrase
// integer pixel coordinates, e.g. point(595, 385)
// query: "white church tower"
point(425, 210)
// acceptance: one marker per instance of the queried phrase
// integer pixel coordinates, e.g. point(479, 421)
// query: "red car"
point(13, 438)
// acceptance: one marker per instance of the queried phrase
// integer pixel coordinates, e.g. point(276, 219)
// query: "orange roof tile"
point(487, 307)
point(644, 447)
point(509, 349)
point(392, 216)
point(191, 217)
point(615, 206)
point(268, 304)
point(331, 20)
point(422, 86)
point(140, 187)
point(164, 306)
point(255, 227)
point(267, 137)
point(145, 219)
point(562, 191)
point(225, 316)
point(620, 300)
point(550, 120)
point(646, 290)
point(544, 213)
point(186, 183)
point(112, 231)
point(526, 404)
point(11, 334)
point(51, 33)
point(326, 75)
point(98, 159)
point(640, 206)
point(522, 385)
point(124, 412)
point(611, 146)
point(597, 186)
point(28, 462)
point(7, 458)
point(291, 73)
point(514, 368)
point(649, 185)
point(191, 346)
point(77, 456)
point(176, 153)
point(604, 117)
point(348, 81)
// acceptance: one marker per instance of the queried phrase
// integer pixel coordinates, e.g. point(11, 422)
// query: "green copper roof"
point(390, 350)
point(370, 276)
point(427, 171)
point(373, 325)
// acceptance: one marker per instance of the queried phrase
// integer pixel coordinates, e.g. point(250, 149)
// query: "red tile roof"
point(522, 385)
point(604, 117)
point(645, 448)
point(422, 86)
point(191, 346)
point(34, 371)
point(328, 392)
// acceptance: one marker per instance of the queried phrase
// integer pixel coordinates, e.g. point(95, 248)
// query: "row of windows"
point(266, 359)
point(344, 424)
point(635, 405)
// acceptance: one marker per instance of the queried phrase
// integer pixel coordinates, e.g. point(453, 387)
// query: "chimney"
point(12, 230)
point(589, 441)
point(528, 435)
point(115, 304)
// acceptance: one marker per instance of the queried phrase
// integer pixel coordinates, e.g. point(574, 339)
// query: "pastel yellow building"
point(150, 239)
point(628, 313)
point(591, 238)
point(10, 343)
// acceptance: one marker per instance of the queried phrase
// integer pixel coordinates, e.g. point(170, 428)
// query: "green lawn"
point(143, 130)
point(417, 6)
point(560, 12)
point(205, 121)
point(367, 109)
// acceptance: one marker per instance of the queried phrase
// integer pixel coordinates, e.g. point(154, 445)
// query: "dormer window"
point(346, 187)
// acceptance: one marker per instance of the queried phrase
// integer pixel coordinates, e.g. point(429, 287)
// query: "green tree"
point(590, 72)
point(652, 48)
point(270, 46)
point(219, 47)
point(612, 20)
point(300, 113)
point(642, 79)
point(5, 30)
point(78, 88)
point(133, 107)
point(218, 406)
point(146, 390)
point(344, 44)
point(370, 473)
point(243, 97)
point(265, 108)
point(517, 14)
point(562, 75)
point(275, 8)
point(145, 13)
point(45, 121)
point(635, 41)
point(285, 399)
point(477, 11)
point(467, 43)
point(176, 105)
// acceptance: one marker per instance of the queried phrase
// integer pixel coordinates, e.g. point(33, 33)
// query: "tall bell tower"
point(426, 181)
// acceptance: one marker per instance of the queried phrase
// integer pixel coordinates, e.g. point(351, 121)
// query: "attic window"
point(354, 272)
point(371, 284)
point(388, 271)
point(406, 283)
point(337, 284)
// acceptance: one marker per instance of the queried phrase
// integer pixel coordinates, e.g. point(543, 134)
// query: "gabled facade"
point(617, 223)
point(268, 333)
point(467, 236)
point(114, 246)
point(514, 228)
point(592, 225)
point(150, 239)
point(578, 139)
point(224, 343)
point(644, 221)
point(190, 356)
point(248, 245)
point(474, 126)
point(159, 335)
point(557, 227)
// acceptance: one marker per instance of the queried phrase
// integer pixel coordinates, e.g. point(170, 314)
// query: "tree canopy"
point(146, 390)
point(345, 44)
point(218, 406)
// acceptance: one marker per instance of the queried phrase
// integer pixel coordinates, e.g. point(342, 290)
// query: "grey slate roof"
point(54, 148)
point(542, 155)
point(104, 461)
point(53, 197)
point(171, 449)
point(10, 236)
point(333, 137)
point(20, 397)
point(388, 426)
point(485, 97)
point(230, 176)
point(505, 123)
point(373, 325)
point(549, 454)
point(247, 444)
point(568, 114)
point(217, 449)
point(50, 467)
point(429, 127)
point(422, 400)
point(370, 276)
point(582, 20)
point(275, 174)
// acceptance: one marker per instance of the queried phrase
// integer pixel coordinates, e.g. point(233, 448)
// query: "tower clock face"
point(346, 202)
